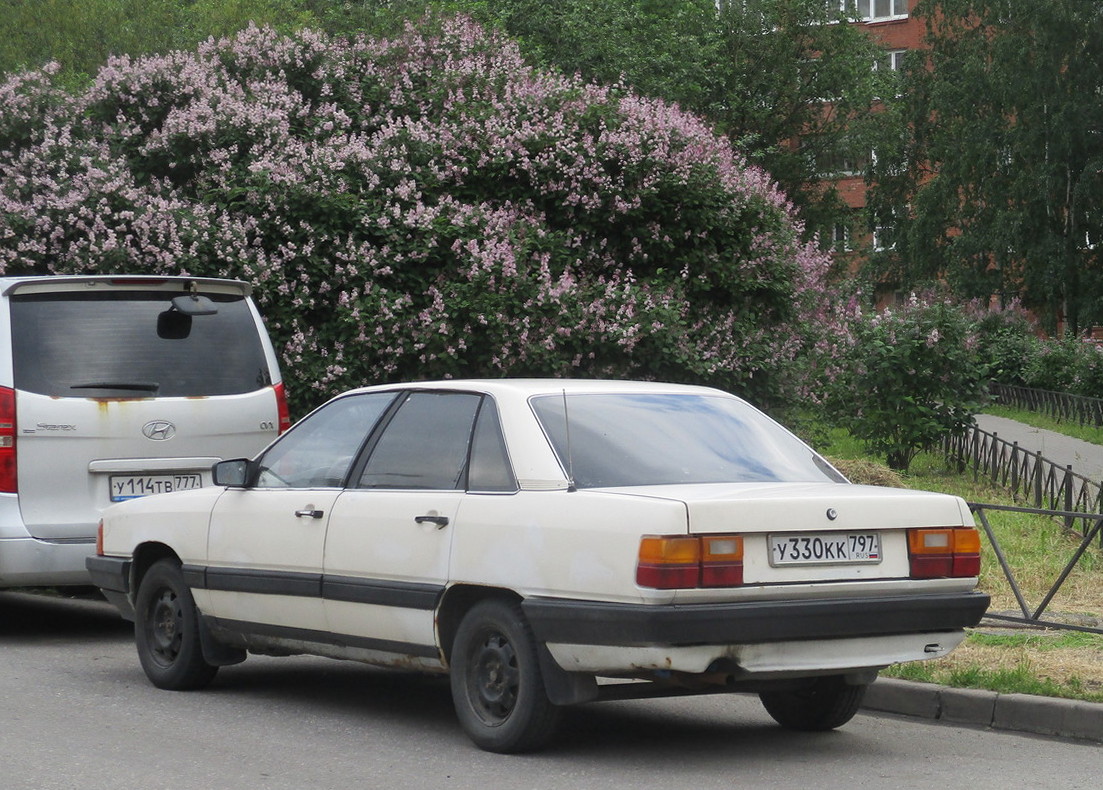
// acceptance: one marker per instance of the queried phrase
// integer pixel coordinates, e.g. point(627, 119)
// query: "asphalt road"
point(76, 713)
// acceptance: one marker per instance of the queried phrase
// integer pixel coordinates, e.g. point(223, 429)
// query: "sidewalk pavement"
point(1086, 458)
point(1015, 712)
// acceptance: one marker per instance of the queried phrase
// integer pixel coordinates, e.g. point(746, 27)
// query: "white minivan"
point(116, 387)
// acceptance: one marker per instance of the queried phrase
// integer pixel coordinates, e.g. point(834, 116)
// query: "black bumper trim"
point(593, 623)
point(109, 573)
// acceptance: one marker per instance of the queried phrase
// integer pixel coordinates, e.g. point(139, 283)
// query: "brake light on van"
point(944, 552)
point(283, 413)
point(683, 562)
point(8, 481)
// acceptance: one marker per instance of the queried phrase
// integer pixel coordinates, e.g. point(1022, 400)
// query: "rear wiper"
point(135, 386)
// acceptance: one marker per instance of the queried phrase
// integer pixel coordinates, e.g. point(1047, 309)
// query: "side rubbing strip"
point(264, 582)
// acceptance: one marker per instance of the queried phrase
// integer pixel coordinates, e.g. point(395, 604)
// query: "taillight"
point(282, 412)
point(7, 441)
point(99, 539)
point(680, 562)
point(939, 552)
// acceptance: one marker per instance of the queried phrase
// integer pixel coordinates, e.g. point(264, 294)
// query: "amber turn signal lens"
point(944, 552)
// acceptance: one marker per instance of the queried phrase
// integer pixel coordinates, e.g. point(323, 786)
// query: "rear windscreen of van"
point(134, 344)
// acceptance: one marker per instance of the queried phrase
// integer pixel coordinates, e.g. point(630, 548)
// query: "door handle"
point(309, 513)
point(440, 521)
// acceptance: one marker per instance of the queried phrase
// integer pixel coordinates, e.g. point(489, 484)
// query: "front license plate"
point(825, 548)
point(134, 486)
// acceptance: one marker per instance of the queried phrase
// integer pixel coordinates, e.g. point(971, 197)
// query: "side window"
point(490, 467)
point(425, 445)
point(318, 452)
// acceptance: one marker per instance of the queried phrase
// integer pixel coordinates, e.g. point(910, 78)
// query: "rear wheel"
point(166, 630)
point(824, 704)
point(497, 687)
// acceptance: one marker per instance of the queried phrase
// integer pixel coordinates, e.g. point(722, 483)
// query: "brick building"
point(891, 23)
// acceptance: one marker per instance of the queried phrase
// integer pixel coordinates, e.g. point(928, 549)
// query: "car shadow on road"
point(33, 616)
point(422, 704)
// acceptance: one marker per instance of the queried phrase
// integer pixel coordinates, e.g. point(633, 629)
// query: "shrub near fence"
point(1062, 406)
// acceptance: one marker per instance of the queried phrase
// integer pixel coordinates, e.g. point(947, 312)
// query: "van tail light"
point(682, 562)
point(282, 412)
point(935, 553)
point(99, 539)
point(8, 482)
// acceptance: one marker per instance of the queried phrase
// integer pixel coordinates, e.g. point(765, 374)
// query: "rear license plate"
point(133, 486)
point(825, 548)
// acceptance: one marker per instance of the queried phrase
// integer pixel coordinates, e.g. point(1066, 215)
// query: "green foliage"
point(758, 70)
point(81, 34)
point(1001, 168)
point(914, 375)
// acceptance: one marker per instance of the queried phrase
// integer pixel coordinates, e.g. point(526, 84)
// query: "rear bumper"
point(112, 576)
point(757, 622)
point(29, 562)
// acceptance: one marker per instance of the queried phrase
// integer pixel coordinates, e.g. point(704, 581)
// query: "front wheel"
point(166, 630)
point(497, 687)
point(824, 704)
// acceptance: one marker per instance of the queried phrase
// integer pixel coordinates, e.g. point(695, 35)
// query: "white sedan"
point(548, 543)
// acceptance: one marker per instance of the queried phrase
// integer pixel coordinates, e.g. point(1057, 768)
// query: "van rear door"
point(126, 387)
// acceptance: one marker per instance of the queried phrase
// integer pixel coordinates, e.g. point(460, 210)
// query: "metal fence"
point(1029, 476)
point(1033, 615)
point(1062, 406)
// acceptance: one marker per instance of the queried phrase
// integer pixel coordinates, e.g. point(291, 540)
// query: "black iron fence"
point(1062, 406)
point(1034, 614)
point(1029, 476)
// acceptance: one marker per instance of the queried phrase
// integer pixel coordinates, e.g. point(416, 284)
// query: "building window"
point(884, 238)
point(893, 60)
point(875, 10)
point(840, 237)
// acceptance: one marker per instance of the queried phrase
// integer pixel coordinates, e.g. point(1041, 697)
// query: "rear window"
point(134, 344)
point(638, 439)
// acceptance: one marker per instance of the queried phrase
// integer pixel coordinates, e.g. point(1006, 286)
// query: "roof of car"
point(526, 387)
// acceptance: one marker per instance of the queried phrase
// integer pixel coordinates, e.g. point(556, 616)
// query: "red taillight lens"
point(950, 552)
point(666, 563)
point(99, 539)
point(282, 412)
point(7, 441)
point(680, 562)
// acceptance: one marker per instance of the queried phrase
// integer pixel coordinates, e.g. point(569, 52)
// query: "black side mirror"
point(236, 473)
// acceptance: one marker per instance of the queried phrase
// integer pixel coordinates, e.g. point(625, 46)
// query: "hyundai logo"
point(159, 430)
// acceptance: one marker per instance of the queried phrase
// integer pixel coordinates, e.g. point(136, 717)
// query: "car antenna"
point(571, 488)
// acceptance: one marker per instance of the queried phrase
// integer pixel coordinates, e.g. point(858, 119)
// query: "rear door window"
point(134, 344)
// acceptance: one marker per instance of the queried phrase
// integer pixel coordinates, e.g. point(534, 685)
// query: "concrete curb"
point(1017, 712)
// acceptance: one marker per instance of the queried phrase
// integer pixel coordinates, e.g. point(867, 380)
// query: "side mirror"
point(236, 473)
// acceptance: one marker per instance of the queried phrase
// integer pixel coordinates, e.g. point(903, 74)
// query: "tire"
point(825, 704)
point(166, 630)
point(497, 687)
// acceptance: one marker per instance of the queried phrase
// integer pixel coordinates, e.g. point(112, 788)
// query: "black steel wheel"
point(497, 686)
point(824, 704)
point(166, 630)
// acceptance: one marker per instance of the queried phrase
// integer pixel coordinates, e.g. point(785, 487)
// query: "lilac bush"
point(424, 206)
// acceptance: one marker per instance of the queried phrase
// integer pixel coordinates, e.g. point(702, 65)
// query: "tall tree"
point(1004, 156)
